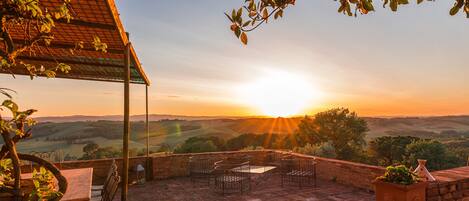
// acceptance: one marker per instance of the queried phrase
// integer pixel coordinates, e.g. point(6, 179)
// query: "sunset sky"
point(413, 62)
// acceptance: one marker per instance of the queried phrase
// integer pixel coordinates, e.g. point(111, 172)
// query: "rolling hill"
point(70, 134)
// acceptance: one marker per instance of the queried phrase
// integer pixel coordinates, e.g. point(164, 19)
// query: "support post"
point(149, 161)
point(125, 139)
point(147, 123)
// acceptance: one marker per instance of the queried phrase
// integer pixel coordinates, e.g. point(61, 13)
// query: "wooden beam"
point(80, 75)
point(148, 166)
point(87, 77)
point(69, 61)
point(60, 45)
point(147, 124)
point(88, 24)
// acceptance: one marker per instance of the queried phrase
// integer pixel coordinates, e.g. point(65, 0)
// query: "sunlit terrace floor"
point(182, 189)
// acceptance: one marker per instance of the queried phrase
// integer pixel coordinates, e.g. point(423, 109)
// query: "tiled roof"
point(90, 18)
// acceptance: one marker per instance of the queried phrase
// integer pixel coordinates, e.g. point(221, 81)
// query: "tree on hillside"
point(164, 147)
point(266, 140)
point(322, 150)
point(93, 151)
point(90, 150)
point(343, 129)
point(388, 150)
point(201, 144)
point(437, 155)
point(254, 13)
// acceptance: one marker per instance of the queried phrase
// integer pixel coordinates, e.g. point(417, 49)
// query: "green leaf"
point(368, 5)
point(247, 23)
point(239, 13)
point(393, 5)
point(403, 1)
point(65, 68)
point(231, 19)
point(50, 73)
point(233, 15)
point(348, 9)
point(341, 9)
point(277, 14)
point(12, 106)
point(237, 32)
point(457, 6)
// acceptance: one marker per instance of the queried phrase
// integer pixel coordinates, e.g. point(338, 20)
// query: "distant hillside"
point(151, 117)
point(430, 127)
point(70, 134)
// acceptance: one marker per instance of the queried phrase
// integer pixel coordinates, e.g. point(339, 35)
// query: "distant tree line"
point(93, 151)
point(340, 133)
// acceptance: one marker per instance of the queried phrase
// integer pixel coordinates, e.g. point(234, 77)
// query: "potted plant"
point(399, 183)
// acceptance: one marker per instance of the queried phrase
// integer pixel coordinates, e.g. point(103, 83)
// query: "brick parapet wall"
point(165, 166)
point(345, 172)
point(448, 191)
point(451, 185)
point(100, 167)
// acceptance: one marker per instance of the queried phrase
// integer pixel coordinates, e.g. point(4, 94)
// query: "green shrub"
point(250, 148)
point(325, 150)
point(399, 175)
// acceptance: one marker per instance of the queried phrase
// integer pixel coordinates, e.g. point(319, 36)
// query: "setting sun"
point(279, 94)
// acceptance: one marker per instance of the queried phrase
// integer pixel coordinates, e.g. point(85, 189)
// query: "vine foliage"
point(36, 24)
point(13, 130)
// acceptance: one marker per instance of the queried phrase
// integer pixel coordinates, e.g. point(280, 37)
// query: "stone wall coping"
point(209, 153)
point(99, 160)
point(337, 161)
point(452, 175)
point(442, 176)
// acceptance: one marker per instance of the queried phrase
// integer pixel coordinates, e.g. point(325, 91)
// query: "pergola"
point(119, 64)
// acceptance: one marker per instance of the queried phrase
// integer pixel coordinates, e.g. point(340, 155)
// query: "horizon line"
point(249, 116)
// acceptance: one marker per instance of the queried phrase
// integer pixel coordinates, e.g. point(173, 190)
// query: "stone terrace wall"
point(176, 165)
point(100, 167)
point(345, 172)
point(451, 185)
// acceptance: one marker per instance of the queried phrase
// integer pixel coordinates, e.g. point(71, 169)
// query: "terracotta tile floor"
point(182, 189)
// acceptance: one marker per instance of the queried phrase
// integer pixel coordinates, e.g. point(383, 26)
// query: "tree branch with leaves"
point(255, 13)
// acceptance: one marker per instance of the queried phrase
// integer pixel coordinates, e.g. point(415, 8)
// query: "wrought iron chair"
point(110, 189)
point(232, 177)
point(201, 169)
point(299, 171)
point(274, 158)
point(238, 159)
point(97, 190)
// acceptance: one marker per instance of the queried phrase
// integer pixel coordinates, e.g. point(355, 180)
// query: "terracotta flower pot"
point(395, 192)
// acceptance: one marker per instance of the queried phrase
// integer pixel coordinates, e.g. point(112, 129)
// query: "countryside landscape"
point(234, 100)
point(65, 137)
